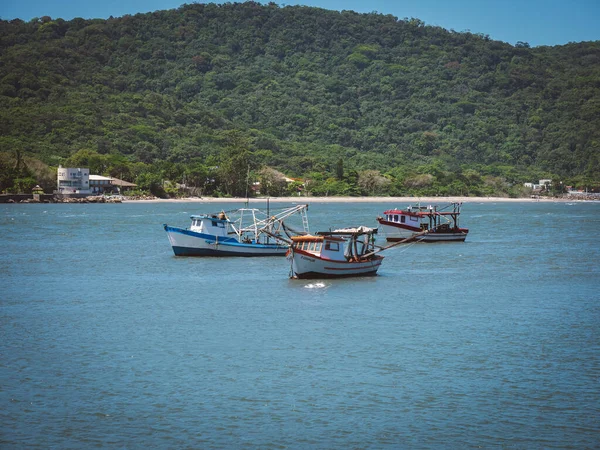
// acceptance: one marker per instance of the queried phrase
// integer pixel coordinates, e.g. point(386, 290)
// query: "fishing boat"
point(342, 253)
point(240, 232)
point(441, 223)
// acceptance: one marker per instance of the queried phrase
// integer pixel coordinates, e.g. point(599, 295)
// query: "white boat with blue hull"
point(218, 235)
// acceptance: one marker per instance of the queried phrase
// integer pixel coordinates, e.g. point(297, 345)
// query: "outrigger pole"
point(403, 241)
point(287, 241)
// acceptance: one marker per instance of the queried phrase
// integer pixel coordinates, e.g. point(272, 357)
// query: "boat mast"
point(268, 220)
point(255, 225)
point(247, 182)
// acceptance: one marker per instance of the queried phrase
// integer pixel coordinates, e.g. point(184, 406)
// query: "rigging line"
point(228, 211)
point(406, 247)
point(285, 230)
point(287, 227)
point(232, 211)
point(395, 244)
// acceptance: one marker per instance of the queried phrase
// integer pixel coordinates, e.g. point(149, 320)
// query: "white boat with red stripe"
point(441, 224)
point(337, 254)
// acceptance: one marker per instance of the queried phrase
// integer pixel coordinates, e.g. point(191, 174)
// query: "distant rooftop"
point(113, 181)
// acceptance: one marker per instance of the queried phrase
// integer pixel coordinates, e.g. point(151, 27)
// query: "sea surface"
point(107, 340)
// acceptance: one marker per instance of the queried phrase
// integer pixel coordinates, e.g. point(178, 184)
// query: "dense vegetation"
point(220, 96)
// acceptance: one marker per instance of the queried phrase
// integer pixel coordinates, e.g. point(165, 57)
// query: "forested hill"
point(302, 90)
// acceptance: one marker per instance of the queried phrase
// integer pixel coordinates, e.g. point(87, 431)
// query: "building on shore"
point(106, 185)
point(100, 184)
point(73, 180)
point(79, 181)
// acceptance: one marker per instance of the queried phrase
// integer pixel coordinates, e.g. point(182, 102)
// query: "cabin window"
point(396, 218)
point(332, 246)
point(403, 220)
point(309, 246)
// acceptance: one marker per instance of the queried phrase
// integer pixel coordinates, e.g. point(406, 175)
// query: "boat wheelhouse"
point(252, 233)
point(441, 224)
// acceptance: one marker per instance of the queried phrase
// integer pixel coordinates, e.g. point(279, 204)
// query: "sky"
point(537, 22)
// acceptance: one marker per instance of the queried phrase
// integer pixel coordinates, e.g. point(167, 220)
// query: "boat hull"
point(189, 243)
point(307, 266)
point(395, 233)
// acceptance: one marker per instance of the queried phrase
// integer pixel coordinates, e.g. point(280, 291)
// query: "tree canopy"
point(359, 103)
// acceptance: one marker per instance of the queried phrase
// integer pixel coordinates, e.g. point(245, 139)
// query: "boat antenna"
point(247, 182)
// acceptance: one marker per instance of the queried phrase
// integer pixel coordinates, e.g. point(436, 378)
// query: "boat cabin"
point(398, 216)
point(326, 247)
point(340, 245)
point(216, 225)
point(425, 217)
point(359, 241)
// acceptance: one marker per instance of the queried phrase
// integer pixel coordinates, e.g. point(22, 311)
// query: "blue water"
point(108, 340)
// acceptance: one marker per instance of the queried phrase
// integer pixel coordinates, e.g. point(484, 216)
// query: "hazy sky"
point(537, 22)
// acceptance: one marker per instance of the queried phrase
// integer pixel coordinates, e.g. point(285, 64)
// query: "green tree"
point(372, 182)
point(24, 185)
point(272, 182)
point(234, 172)
point(152, 183)
point(90, 159)
point(339, 169)
point(230, 84)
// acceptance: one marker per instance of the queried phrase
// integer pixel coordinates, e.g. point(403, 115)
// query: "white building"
point(543, 184)
point(73, 181)
point(101, 185)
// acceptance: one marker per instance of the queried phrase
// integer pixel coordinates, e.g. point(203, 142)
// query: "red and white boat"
point(336, 254)
point(441, 224)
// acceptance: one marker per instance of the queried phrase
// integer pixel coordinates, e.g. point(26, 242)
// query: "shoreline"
point(409, 200)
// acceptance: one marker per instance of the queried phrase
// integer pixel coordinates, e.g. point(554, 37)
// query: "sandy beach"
point(397, 201)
